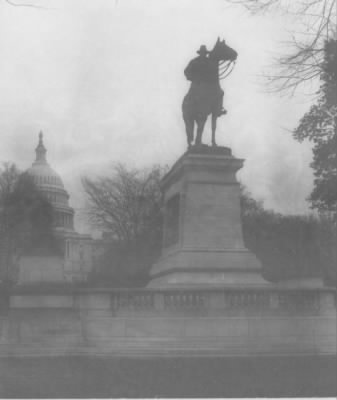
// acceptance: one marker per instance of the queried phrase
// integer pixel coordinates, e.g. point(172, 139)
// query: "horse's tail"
point(189, 118)
point(189, 108)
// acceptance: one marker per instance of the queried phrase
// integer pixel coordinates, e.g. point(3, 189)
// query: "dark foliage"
point(290, 246)
point(319, 126)
point(26, 218)
point(125, 265)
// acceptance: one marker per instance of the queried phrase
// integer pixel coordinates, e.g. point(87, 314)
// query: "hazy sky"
point(104, 81)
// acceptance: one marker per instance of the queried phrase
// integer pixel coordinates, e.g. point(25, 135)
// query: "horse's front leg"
point(214, 118)
point(200, 129)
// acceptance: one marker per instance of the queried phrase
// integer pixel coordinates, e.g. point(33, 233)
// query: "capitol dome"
point(50, 184)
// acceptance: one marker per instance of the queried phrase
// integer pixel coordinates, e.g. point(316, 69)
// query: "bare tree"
point(25, 4)
point(9, 175)
point(317, 25)
point(125, 203)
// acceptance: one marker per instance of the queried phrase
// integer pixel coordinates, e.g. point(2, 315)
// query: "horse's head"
point(222, 52)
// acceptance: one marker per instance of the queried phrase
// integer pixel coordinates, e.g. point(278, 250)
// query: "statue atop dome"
point(40, 151)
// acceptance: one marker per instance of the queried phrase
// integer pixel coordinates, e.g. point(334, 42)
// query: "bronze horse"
point(205, 95)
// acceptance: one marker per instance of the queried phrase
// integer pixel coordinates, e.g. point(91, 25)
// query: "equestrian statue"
point(205, 96)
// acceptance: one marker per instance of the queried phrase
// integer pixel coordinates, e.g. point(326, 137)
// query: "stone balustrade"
point(130, 300)
point(271, 300)
point(241, 320)
point(287, 300)
point(185, 299)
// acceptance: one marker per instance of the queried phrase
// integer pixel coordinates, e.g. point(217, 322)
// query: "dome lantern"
point(40, 151)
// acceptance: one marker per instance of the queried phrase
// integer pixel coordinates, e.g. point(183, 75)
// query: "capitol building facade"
point(51, 185)
point(75, 260)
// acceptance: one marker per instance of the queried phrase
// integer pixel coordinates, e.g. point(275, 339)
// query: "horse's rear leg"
point(200, 129)
point(214, 118)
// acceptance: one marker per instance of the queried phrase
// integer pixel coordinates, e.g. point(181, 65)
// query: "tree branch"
point(29, 5)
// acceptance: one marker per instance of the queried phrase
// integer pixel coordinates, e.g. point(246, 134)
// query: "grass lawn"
point(169, 377)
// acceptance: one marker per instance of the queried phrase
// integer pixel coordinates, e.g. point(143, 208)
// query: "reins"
point(225, 70)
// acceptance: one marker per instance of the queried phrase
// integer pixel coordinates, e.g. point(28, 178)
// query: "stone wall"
point(171, 322)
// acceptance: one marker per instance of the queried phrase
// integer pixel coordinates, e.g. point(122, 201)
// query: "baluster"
point(253, 300)
point(113, 301)
point(263, 300)
point(247, 299)
point(232, 299)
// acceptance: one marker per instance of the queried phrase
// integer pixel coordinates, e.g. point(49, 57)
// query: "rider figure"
point(198, 69)
point(201, 69)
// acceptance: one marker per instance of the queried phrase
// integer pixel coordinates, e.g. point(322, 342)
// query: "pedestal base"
point(215, 268)
point(203, 243)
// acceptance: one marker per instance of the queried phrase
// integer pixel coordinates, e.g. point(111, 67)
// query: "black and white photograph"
point(168, 198)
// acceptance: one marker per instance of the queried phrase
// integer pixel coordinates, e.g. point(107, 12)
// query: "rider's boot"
point(222, 112)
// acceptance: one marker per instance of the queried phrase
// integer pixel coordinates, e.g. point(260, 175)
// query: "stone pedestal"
point(203, 242)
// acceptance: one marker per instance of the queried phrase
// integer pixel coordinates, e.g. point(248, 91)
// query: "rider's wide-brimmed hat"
point(203, 50)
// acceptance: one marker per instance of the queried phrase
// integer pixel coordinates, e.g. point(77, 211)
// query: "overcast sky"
point(104, 81)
